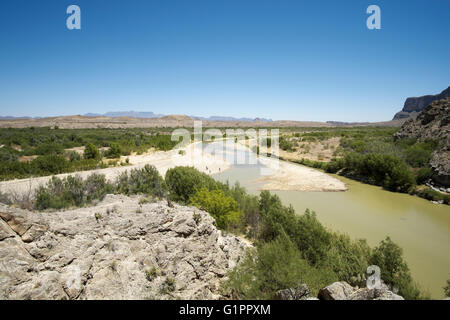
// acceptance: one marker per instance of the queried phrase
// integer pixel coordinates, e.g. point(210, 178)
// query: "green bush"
point(8, 155)
point(50, 164)
point(388, 256)
point(223, 208)
point(274, 266)
point(91, 152)
point(248, 205)
point(419, 154)
point(74, 156)
point(183, 182)
point(385, 170)
point(348, 259)
point(423, 175)
point(71, 191)
point(142, 181)
point(114, 151)
point(286, 144)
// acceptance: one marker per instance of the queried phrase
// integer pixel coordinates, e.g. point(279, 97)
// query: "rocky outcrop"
point(338, 291)
point(117, 249)
point(433, 123)
point(343, 291)
point(413, 106)
point(300, 293)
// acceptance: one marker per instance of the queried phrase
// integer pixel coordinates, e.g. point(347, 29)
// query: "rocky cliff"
point(433, 123)
point(413, 106)
point(118, 249)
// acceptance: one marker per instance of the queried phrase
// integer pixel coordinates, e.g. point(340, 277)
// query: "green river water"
point(420, 227)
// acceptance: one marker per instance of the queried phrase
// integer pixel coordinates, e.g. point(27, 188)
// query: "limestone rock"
point(343, 291)
point(301, 293)
point(336, 291)
point(156, 252)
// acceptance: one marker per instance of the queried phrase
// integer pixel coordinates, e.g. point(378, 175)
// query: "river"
point(420, 227)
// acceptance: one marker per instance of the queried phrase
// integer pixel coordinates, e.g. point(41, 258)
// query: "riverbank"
point(162, 160)
point(283, 175)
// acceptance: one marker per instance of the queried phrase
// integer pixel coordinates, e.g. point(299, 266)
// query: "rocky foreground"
point(118, 249)
point(123, 248)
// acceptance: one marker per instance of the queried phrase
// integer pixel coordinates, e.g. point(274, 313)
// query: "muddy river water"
point(420, 227)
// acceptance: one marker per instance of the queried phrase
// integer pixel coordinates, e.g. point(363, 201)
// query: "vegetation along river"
point(420, 227)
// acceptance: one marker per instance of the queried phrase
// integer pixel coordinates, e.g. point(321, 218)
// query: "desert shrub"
point(8, 155)
point(152, 274)
point(249, 206)
point(286, 144)
point(388, 256)
point(114, 151)
point(96, 187)
point(142, 181)
point(49, 148)
point(386, 170)
point(348, 259)
point(423, 175)
point(71, 191)
point(311, 237)
point(274, 266)
point(168, 285)
point(223, 208)
point(275, 218)
point(91, 151)
point(183, 182)
point(419, 154)
point(49, 164)
point(73, 156)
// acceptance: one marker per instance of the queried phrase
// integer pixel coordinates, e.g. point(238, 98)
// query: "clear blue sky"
point(302, 60)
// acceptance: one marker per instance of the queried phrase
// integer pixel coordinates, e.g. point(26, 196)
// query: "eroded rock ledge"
point(117, 249)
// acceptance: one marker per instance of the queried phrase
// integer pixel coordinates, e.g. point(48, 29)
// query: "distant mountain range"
point(17, 118)
point(134, 114)
point(413, 106)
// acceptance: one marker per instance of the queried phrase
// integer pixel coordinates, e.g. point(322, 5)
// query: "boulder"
point(343, 291)
point(300, 293)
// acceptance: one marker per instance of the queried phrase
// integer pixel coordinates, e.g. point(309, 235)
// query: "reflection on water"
point(421, 228)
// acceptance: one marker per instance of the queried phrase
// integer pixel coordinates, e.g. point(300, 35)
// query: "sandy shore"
point(290, 176)
point(283, 175)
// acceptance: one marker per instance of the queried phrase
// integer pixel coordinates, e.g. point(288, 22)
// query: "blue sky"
point(299, 60)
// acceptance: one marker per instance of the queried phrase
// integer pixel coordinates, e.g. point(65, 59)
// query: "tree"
point(183, 182)
point(388, 256)
point(115, 151)
point(274, 266)
point(223, 208)
point(91, 152)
